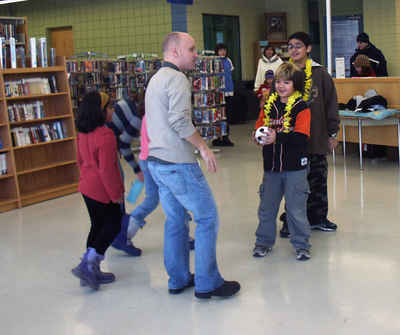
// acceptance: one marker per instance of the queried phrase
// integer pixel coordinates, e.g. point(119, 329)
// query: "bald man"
point(173, 165)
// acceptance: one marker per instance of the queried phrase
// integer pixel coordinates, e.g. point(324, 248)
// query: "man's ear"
point(309, 48)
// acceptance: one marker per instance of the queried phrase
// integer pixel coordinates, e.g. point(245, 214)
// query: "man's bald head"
point(179, 48)
point(173, 40)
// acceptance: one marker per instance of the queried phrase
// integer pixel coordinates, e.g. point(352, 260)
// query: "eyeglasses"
point(295, 46)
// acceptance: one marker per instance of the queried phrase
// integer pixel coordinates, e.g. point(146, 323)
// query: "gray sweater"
point(169, 117)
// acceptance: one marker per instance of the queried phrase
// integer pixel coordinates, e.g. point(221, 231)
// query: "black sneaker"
point(227, 142)
point(217, 143)
point(227, 289)
point(260, 251)
point(324, 225)
point(303, 255)
point(284, 232)
point(180, 290)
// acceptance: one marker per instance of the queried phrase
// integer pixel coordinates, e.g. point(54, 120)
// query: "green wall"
point(113, 27)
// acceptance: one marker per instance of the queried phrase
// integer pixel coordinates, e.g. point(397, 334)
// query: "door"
point(224, 29)
point(63, 41)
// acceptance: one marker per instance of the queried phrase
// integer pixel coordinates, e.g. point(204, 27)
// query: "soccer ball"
point(261, 133)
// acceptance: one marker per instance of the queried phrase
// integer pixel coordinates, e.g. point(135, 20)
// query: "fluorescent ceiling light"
point(4, 2)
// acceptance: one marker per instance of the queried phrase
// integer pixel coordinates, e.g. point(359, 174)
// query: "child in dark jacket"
point(264, 89)
point(101, 186)
point(285, 163)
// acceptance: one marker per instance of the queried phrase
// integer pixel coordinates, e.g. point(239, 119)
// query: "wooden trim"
point(48, 193)
point(29, 70)
point(47, 167)
point(5, 176)
point(7, 205)
point(5, 150)
point(37, 96)
point(44, 143)
point(49, 118)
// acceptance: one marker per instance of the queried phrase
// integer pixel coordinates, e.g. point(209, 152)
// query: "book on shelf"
point(3, 53)
point(33, 50)
point(21, 61)
point(30, 86)
point(3, 164)
point(43, 52)
point(44, 132)
point(13, 53)
point(25, 112)
point(1, 144)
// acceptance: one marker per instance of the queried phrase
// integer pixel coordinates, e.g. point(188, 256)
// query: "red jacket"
point(97, 155)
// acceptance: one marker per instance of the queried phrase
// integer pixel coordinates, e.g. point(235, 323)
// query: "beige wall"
point(382, 23)
point(114, 27)
point(251, 18)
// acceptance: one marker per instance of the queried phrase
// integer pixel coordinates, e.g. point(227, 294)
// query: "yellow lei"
point(288, 110)
point(308, 80)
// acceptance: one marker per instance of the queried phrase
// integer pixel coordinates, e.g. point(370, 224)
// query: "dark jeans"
point(105, 220)
point(317, 203)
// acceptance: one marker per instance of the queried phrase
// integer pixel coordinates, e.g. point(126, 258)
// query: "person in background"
point(269, 61)
point(101, 185)
point(363, 66)
point(285, 156)
point(180, 180)
point(222, 51)
point(376, 57)
point(320, 94)
point(265, 88)
point(126, 123)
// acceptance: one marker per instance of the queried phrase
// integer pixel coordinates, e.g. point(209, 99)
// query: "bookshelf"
point(39, 140)
point(15, 27)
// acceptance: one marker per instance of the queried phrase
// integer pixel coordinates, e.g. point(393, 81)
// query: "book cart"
point(37, 134)
point(207, 82)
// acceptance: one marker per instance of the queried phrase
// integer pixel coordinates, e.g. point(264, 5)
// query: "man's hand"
point(209, 158)
point(140, 176)
point(332, 143)
point(270, 137)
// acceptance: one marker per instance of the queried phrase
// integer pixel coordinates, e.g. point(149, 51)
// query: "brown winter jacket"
point(324, 110)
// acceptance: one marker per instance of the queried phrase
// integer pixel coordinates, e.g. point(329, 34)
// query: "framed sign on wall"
point(276, 26)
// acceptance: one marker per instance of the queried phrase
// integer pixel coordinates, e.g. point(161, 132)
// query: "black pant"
point(105, 220)
point(317, 203)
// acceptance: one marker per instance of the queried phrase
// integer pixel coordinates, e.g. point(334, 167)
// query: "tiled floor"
point(350, 286)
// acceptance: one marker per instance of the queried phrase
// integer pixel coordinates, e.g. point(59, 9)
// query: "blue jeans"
point(151, 200)
point(293, 186)
point(183, 186)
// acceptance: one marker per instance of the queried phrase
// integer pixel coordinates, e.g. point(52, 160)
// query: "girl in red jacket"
point(101, 186)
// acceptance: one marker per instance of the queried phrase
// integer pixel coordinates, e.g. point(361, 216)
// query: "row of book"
point(214, 131)
point(208, 99)
point(209, 64)
point(44, 132)
point(119, 66)
point(9, 30)
point(207, 83)
point(28, 111)
point(31, 86)
point(3, 164)
point(212, 115)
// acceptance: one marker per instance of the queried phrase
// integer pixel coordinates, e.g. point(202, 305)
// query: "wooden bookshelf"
point(44, 170)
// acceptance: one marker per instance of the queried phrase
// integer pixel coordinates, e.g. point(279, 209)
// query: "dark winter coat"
point(376, 57)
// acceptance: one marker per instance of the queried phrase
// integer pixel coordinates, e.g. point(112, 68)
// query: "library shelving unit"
point(44, 167)
point(14, 27)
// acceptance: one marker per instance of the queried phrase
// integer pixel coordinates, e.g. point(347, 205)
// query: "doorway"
point(224, 29)
point(62, 40)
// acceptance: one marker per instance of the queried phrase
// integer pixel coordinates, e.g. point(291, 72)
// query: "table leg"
point(360, 142)
point(344, 140)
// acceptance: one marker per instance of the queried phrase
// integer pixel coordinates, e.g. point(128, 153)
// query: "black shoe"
point(227, 289)
point(284, 232)
point(324, 225)
point(227, 142)
point(217, 143)
point(180, 290)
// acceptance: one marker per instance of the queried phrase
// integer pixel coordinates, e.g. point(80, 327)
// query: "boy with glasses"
point(320, 95)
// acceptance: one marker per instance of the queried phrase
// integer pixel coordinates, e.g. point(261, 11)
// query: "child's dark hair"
point(220, 46)
point(301, 36)
point(290, 71)
point(269, 47)
point(90, 115)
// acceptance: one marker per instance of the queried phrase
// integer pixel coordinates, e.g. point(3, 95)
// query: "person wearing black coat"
point(376, 57)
